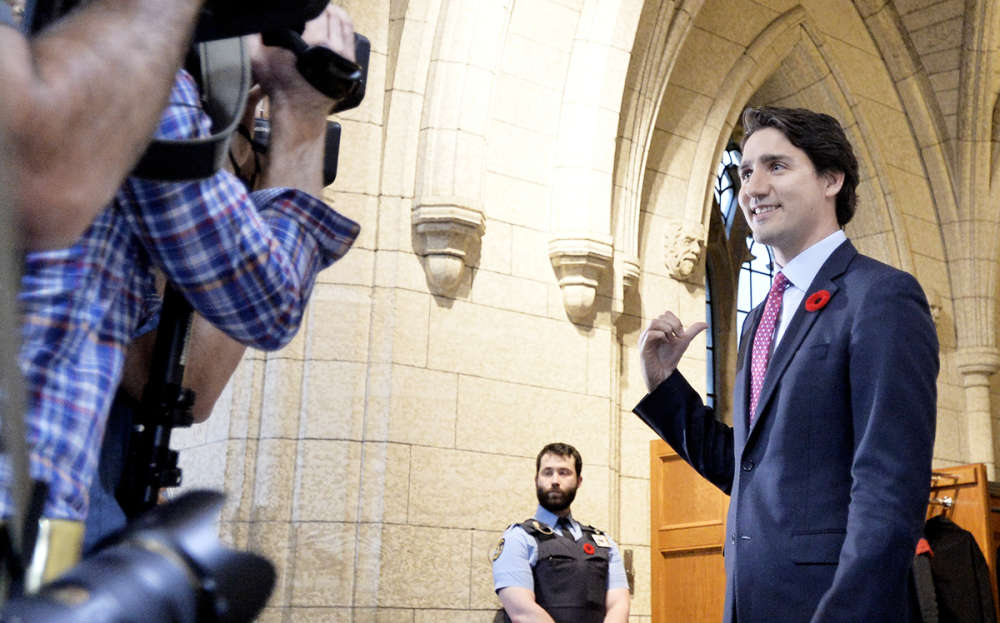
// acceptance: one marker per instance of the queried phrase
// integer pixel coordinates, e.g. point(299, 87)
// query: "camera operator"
point(80, 101)
point(246, 263)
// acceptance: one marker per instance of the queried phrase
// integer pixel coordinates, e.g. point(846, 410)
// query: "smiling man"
point(550, 568)
point(828, 459)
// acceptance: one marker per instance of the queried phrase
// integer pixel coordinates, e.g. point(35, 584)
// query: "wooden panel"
point(692, 588)
point(696, 502)
point(688, 516)
point(692, 537)
point(958, 475)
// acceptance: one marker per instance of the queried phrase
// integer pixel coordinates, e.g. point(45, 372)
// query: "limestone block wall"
point(378, 457)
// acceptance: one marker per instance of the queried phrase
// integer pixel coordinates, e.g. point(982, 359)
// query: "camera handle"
point(151, 464)
point(328, 72)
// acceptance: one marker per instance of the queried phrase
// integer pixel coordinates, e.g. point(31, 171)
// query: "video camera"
point(220, 65)
point(219, 19)
point(168, 567)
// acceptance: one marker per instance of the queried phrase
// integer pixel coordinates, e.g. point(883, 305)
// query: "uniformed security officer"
point(550, 568)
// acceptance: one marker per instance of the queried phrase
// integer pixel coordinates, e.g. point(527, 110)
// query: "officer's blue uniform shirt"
point(6, 17)
point(518, 553)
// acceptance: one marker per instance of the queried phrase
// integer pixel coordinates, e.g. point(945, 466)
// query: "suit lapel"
point(800, 325)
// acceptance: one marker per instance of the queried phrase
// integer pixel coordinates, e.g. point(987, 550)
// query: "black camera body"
point(167, 567)
point(219, 19)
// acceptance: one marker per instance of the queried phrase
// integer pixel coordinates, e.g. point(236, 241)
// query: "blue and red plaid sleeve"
point(247, 263)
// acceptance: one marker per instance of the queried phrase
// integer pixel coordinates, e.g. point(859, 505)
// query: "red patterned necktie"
point(762, 340)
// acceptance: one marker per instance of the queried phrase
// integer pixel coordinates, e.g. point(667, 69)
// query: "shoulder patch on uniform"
point(497, 550)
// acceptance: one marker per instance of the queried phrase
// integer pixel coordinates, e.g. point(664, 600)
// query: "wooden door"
point(688, 520)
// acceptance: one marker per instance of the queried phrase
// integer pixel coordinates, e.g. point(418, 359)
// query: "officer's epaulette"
point(536, 528)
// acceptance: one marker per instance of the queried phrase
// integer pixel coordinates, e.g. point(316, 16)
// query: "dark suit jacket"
point(830, 484)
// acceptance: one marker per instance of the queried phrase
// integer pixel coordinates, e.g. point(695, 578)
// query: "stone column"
point(977, 365)
point(582, 246)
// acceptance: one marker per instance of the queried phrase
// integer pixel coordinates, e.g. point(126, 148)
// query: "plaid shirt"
point(245, 262)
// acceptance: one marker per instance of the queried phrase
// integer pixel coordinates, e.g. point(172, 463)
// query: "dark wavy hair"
point(560, 449)
point(821, 137)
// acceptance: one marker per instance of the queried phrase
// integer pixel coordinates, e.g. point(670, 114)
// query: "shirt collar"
point(803, 268)
point(549, 518)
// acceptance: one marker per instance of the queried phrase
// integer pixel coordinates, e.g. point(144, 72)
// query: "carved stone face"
point(690, 249)
point(685, 245)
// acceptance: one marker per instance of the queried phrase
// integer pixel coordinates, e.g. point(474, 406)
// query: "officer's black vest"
point(571, 577)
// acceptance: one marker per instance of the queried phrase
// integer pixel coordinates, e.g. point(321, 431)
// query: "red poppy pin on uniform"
point(588, 549)
point(817, 300)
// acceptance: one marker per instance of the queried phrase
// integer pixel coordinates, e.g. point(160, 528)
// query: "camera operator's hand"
point(274, 68)
point(298, 111)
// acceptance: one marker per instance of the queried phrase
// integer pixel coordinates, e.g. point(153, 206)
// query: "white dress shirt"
point(800, 273)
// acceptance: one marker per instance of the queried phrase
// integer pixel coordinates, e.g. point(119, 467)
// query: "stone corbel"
point(684, 251)
point(447, 230)
point(630, 272)
point(579, 263)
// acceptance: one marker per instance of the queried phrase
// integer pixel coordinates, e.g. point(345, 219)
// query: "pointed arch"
point(654, 53)
point(919, 102)
point(791, 37)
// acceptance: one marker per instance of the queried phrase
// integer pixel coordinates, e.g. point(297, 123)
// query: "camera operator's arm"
point(298, 112)
point(246, 263)
point(212, 359)
point(80, 102)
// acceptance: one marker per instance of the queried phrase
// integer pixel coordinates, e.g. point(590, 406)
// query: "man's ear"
point(834, 182)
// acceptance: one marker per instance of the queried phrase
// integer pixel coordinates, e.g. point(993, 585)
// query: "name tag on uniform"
point(601, 540)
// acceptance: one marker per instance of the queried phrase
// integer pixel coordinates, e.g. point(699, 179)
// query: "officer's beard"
point(555, 500)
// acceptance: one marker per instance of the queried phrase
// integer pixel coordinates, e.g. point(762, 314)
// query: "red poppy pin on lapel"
point(588, 549)
point(817, 300)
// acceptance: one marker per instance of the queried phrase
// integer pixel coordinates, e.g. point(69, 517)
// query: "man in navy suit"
point(829, 470)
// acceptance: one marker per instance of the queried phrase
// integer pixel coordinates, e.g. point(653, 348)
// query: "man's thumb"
point(694, 330)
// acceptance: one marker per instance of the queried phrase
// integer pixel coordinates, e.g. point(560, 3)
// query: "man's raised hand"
point(662, 345)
